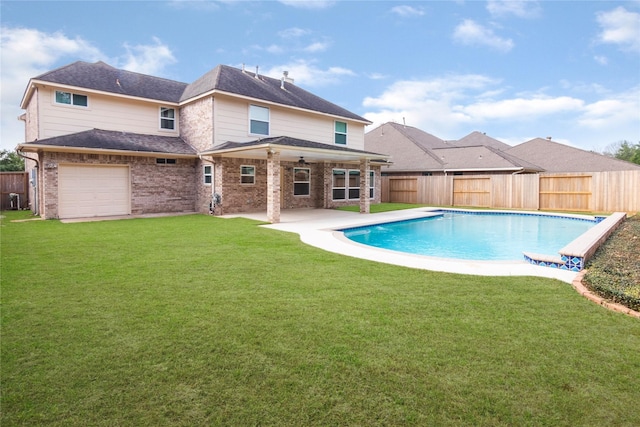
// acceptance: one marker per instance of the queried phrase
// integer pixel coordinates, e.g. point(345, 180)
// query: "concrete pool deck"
point(317, 227)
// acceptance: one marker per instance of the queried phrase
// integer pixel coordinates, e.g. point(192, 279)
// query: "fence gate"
point(14, 183)
point(472, 191)
point(565, 192)
point(403, 190)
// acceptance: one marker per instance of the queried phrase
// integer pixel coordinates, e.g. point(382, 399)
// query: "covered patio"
point(298, 173)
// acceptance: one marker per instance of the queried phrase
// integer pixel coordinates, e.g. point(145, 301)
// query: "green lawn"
point(197, 320)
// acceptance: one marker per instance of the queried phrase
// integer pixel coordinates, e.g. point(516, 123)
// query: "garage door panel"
point(88, 191)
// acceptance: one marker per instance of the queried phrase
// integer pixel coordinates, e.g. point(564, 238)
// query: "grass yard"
point(197, 320)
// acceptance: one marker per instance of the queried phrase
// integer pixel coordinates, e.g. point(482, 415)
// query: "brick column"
point(364, 186)
point(273, 187)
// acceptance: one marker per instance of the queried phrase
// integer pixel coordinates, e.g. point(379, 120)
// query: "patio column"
point(273, 186)
point(364, 186)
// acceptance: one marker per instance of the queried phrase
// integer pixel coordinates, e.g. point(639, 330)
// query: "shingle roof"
point(413, 150)
point(481, 158)
point(233, 80)
point(556, 157)
point(118, 141)
point(289, 142)
point(478, 138)
point(105, 78)
point(399, 142)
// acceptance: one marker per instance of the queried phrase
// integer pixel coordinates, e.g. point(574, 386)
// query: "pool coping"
point(321, 231)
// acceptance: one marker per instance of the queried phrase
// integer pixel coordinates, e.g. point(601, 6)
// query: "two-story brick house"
point(105, 141)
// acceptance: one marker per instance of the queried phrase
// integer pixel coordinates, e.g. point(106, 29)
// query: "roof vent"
point(285, 76)
point(549, 138)
point(257, 76)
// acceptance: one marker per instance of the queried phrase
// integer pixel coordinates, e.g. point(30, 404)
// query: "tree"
point(11, 162)
point(624, 150)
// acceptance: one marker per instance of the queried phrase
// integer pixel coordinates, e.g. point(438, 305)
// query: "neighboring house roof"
point(406, 154)
point(239, 82)
point(293, 148)
point(481, 158)
point(102, 77)
point(104, 140)
point(555, 157)
point(478, 138)
point(413, 150)
point(105, 78)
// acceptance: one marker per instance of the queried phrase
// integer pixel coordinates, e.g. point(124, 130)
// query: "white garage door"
point(88, 191)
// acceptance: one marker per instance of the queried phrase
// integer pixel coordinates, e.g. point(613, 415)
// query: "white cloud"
point(452, 106)
point(148, 59)
point(406, 11)
point(316, 47)
point(307, 74)
point(520, 108)
point(518, 8)
point(600, 59)
point(620, 27)
point(293, 32)
point(612, 111)
point(308, 4)
point(470, 32)
point(28, 53)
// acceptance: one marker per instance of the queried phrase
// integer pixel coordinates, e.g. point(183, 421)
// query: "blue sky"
point(515, 70)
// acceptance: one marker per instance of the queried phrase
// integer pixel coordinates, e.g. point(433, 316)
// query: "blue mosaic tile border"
point(575, 263)
point(515, 213)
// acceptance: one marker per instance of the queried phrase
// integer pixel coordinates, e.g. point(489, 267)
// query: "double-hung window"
point(354, 184)
point(167, 118)
point(346, 184)
point(258, 120)
point(69, 98)
point(247, 174)
point(207, 173)
point(339, 184)
point(372, 184)
point(340, 133)
point(301, 181)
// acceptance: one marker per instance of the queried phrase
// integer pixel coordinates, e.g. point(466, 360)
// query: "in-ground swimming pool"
point(474, 235)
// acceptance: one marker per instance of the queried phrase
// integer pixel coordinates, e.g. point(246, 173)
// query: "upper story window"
point(258, 120)
point(341, 133)
point(167, 118)
point(69, 98)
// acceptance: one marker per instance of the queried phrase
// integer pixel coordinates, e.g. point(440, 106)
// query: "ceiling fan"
point(301, 162)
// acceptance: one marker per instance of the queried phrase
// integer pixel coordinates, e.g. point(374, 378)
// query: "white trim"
point(251, 175)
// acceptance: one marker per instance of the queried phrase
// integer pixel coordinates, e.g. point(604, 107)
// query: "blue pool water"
point(476, 236)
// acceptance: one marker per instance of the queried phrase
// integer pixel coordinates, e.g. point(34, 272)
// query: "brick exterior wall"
point(237, 197)
point(155, 188)
point(196, 124)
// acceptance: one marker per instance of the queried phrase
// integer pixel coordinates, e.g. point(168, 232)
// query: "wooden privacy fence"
point(593, 192)
point(14, 183)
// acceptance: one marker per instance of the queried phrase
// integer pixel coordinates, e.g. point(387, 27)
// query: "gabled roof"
point(232, 80)
point(292, 149)
point(556, 157)
point(478, 138)
point(105, 78)
point(104, 140)
point(102, 77)
point(481, 158)
point(413, 150)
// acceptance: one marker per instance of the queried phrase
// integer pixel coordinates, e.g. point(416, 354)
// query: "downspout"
point(34, 182)
point(213, 179)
